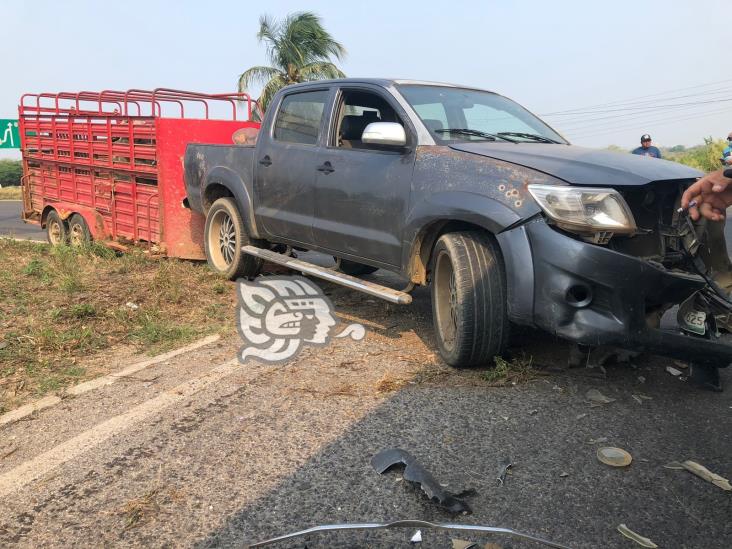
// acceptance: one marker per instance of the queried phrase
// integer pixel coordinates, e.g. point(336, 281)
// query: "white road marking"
point(82, 388)
point(37, 467)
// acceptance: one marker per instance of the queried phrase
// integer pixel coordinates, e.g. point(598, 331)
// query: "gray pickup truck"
point(465, 191)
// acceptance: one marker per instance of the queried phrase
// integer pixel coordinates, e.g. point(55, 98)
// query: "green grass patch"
point(62, 309)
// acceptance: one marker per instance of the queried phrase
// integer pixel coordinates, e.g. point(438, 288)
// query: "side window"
point(358, 109)
point(298, 120)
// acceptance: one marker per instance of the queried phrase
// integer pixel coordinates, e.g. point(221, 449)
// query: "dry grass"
point(390, 383)
point(513, 372)
point(11, 193)
point(140, 510)
point(62, 308)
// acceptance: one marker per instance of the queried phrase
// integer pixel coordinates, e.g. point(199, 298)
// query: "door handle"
point(326, 168)
point(266, 161)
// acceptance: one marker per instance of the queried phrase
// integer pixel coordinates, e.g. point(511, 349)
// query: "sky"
point(622, 68)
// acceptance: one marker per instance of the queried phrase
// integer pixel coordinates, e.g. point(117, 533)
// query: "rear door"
point(362, 191)
point(285, 165)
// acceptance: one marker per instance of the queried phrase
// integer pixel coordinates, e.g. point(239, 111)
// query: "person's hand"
point(712, 193)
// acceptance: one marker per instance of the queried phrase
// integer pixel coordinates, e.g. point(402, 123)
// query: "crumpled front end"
point(614, 293)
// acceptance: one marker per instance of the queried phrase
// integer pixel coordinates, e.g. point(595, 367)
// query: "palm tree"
point(299, 50)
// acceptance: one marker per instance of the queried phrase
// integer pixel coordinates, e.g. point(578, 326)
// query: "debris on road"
point(417, 537)
point(132, 306)
point(615, 457)
point(640, 540)
point(463, 544)
point(414, 472)
point(564, 474)
point(673, 371)
point(702, 472)
point(639, 398)
point(596, 398)
point(410, 524)
point(505, 465)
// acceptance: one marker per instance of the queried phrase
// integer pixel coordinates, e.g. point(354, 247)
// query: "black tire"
point(79, 233)
point(469, 308)
point(56, 231)
point(355, 269)
point(223, 237)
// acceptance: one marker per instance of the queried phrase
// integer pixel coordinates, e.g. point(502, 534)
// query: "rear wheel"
point(224, 236)
point(79, 234)
point(55, 229)
point(354, 269)
point(469, 308)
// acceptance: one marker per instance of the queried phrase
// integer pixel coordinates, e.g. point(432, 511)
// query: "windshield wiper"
point(476, 133)
point(532, 136)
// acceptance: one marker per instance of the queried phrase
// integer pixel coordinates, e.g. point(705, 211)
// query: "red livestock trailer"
point(108, 165)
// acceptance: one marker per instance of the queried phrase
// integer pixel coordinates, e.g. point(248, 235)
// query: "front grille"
point(660, 228)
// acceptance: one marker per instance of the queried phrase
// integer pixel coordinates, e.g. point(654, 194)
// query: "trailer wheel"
point(469, 308)
point(79, 233)
point(353, 268)
point(224, 236)
point(56, 232)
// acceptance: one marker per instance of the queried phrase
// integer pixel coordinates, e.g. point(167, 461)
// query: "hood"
point(581, 166)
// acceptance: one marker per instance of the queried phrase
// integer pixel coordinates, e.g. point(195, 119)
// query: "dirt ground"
point(200, 451)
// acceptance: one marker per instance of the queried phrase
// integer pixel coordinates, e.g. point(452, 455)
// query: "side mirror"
point(384, 133)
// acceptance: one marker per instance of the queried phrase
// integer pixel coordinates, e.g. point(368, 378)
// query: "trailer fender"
point(65, 210)
point(222, 177)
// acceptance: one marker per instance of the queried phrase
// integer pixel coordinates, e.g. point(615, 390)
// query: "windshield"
point(457, 114)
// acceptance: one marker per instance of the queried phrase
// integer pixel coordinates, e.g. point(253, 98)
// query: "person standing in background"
point(646, 149)
point(727, 152)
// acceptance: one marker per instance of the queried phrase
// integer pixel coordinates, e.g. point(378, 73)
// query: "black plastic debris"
point(414, 472)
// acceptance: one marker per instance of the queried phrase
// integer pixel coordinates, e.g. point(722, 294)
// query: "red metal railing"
point(99, 150)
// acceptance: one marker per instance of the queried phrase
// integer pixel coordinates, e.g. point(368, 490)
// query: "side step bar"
point(376, 290)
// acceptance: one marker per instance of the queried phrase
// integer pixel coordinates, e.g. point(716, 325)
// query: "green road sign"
point(9, 134)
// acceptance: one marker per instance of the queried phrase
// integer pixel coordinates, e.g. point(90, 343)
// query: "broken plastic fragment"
point(564, 474)
point(640, 540)
point(505, 465)
point(597, 398)
point(615, 457)
point(414, 472)
point(417, 537)
point(673, 371)
point(702, 472)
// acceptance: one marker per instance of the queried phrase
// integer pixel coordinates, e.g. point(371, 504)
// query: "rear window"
point(298, 120)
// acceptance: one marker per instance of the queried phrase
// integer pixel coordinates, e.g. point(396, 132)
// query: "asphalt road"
point(202, 452)
point(12, 225)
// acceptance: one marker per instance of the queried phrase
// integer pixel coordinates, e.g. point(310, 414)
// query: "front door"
point(285, 166)
point(362, 191)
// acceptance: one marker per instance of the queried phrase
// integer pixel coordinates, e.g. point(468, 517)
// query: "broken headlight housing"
point(594, 212)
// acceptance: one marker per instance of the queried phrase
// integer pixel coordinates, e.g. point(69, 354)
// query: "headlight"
point(585, 209)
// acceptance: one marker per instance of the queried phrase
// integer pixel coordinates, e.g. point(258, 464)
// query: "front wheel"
point(469, 308)
point(224, 235)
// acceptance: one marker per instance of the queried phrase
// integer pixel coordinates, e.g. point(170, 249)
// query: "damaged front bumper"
point(596, 296)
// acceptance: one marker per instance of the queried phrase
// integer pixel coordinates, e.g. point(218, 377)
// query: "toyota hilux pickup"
point(467, 192)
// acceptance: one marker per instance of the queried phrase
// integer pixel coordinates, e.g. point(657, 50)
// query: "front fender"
point(231, 180)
